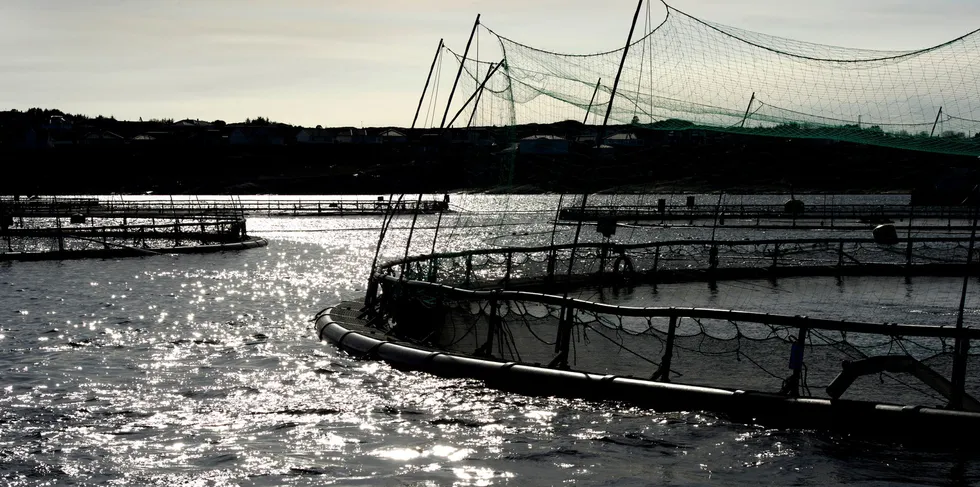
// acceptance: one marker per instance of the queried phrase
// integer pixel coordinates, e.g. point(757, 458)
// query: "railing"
point(663, 261)
point(771, 211)
point(112, 208)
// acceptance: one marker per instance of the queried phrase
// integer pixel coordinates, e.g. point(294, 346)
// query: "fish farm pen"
point(791, 210)
point(69, 228)
point(168, 207)
point(527, 319)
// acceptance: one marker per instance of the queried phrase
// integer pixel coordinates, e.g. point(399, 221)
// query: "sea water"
point(206, 370)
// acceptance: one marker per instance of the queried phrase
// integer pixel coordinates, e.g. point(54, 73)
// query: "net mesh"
point(724, 353)
point(690, 74)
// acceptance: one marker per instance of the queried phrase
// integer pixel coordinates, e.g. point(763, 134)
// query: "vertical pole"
point(612, 95)
point(372, 289)
point(571, 258)
point(744, 117)
point(663, 373)
point(563, 342)
point(962, 344)
point(493, 322)
point(936, 122)
point(436, 235)
point(656, 264)
point(427, 80)
point(908, 248)
point(567, 313)
point(554, 227)
point(57, 221)
point(415, 216)
point(459, 72)
point(792, 385)
point(552, 253)
point(433, 271)
point(594, 92)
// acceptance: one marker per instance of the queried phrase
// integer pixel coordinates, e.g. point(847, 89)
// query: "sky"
point(356, 62)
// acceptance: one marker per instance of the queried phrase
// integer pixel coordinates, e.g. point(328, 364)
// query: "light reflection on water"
point(205, 370)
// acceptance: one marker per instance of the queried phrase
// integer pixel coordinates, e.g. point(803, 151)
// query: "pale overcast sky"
point(356, 62)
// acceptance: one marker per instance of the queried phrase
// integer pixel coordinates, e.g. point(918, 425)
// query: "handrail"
point(659, 243)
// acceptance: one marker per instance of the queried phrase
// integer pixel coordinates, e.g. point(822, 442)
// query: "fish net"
point(683, 73)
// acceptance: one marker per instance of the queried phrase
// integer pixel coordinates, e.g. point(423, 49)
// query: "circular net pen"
point(52, 228)
point(582, 307)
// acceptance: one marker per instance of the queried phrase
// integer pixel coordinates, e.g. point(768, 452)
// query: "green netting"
point(687, 73)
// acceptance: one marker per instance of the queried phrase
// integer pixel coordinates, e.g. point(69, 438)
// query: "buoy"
point(885, 234)
point(794, 207)
point(606, 225)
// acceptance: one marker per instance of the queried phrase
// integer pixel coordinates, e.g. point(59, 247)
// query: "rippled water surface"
point(205, 370)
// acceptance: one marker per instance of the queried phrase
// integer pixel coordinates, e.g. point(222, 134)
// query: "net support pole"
point(663, 372)
point(459, 72)
point(908, 247)
point(552, 253)
point(594, 92)
point(427, 80)
point(436, 235)
point(936, 122)
point(612, 95)
point(411, 231)
point(566, 320)
point(749, 107)
point(434, 270)
point(961, 346)
point(791, 387)
point(475, 94)
point(479, 95)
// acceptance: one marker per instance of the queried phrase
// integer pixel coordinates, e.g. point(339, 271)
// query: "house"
point(543, 145)
point(623, 139)
point(143, 138)
point(103, 137)
point(57, 123)
point(356, 136)
point(429, 143)
point(152, 137)
point(207, 138)
point(392, 136)
point(480, 137)
point(586, 136)
point(188, 123)
point(31, 138)
point(255, 136)
point(319, 135)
